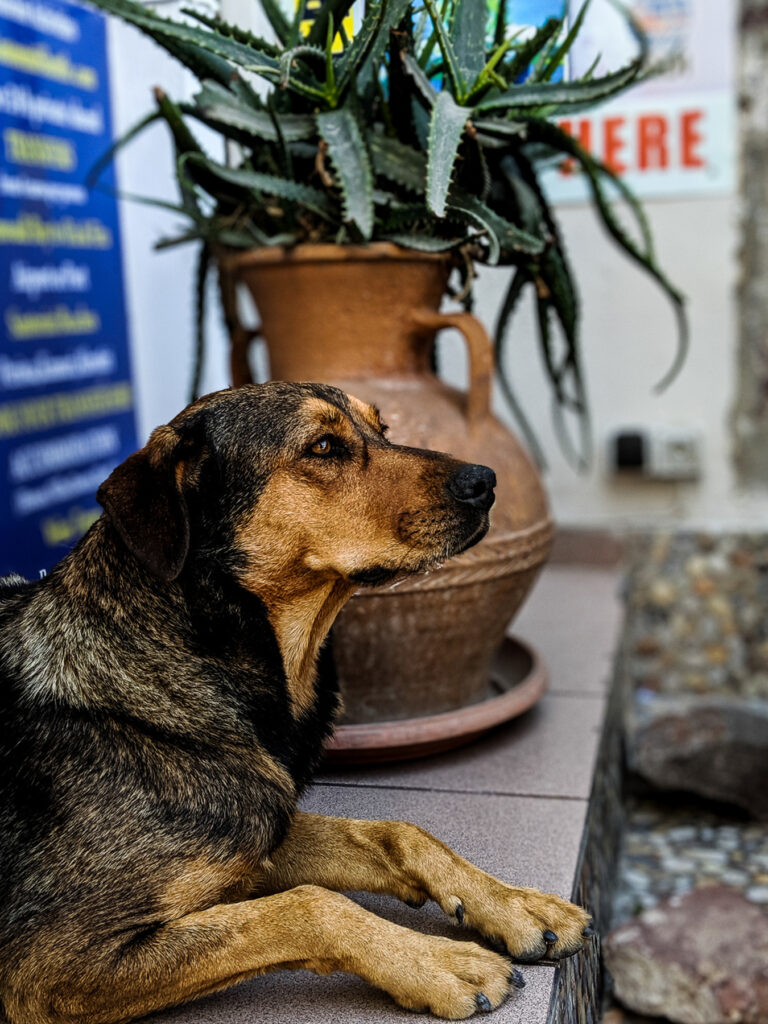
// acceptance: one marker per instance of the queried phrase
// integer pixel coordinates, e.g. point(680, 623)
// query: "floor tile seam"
point(456, 792)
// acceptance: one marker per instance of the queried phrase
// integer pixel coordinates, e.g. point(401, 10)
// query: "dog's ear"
point(144, 499)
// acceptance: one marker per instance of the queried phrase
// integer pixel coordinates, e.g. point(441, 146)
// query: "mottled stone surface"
point(695, 683)
point(714, 746)
point(672, 850)
point(697, 635)
point(697, 621)
point(750, 414)
point(696, 959)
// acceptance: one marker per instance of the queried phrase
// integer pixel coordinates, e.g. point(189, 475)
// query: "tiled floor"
point(513, 802)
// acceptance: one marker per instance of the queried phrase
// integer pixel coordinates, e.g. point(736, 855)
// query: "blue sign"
point(66, 404)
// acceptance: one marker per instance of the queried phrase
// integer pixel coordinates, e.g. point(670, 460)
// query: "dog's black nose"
point(474, 485)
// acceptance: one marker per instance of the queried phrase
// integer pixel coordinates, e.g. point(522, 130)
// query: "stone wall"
point(750, 418)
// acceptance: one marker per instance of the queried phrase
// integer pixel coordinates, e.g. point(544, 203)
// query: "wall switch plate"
point(657, 452)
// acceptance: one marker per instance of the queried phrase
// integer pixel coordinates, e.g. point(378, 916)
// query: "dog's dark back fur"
point(198, 752)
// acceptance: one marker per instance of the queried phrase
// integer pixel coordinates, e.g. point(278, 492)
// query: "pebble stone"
point(696, 624)
point(670, 850)
point(696, 616)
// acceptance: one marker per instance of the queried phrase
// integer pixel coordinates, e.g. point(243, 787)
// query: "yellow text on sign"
point(33, 150)
point(29, 229)
point(34, 414)
point(38, 60)
point(58, 530)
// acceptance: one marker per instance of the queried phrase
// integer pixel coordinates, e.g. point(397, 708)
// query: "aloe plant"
point(429, 128)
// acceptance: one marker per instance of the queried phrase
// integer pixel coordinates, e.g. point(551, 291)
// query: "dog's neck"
point(301, 624)
point(83, 597)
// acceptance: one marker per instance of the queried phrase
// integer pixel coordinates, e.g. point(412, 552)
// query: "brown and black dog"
point(161, 710)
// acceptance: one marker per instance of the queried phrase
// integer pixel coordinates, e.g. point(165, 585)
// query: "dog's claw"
point(549, 936)
point(516, 978)
point(589, 931)
point(460, 917)
point(483, 1003)
point(416, 904)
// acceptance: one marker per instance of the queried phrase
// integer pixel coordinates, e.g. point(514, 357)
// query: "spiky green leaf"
point(184, 209)
point(458, 84)
point(595, 172)
point(499, 126)
point(550, 66)
point(399, 163)
point(394, 12)
point(188, 39)
point(423, 85)
point(445, 131)
point(289, 68)
point(217, 104)
point(270, 184)
point(526, 52)
point(225, 28)
point(185, 145)
point(561, 94)
point(468, 37)
point(469, 213)
point(204, 260)
point(500, 24)
point(504, 237)
point(357, 52)
point(349, 156)
point(520, 280)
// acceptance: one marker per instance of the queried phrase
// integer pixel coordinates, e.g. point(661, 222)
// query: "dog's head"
point(288, 481)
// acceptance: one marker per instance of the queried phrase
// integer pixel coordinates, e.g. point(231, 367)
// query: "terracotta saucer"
point(518, 679)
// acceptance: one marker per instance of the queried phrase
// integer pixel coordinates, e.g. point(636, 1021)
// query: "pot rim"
point(329, 253)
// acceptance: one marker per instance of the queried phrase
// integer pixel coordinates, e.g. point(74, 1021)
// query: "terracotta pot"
point(365, 319)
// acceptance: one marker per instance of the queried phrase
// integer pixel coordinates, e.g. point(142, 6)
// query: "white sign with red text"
point(675, 134)
point(667, 146)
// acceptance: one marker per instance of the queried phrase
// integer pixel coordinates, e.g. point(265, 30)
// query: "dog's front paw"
point(452, 979)
point(526, 924)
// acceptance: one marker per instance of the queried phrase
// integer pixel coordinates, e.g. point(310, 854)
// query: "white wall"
point(159, 285)
point(628, 338)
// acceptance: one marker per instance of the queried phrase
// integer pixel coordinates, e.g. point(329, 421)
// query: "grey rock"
point(736, 878)
point(677, 865)
point(701, 958)
point(717, 858)
point(681, 834)
point(637, 879)
point(714, 746)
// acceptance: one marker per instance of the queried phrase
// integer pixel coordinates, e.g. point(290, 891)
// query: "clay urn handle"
point(480, 357)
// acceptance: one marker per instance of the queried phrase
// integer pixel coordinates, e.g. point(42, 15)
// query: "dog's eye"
point(327, 445)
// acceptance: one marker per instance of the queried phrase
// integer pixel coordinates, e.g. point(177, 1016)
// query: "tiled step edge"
point(578, 984)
